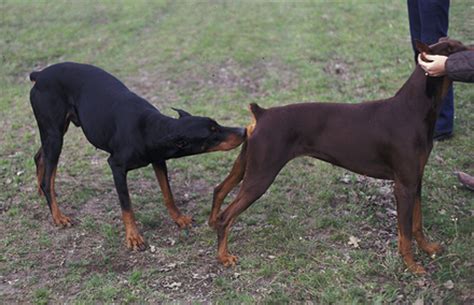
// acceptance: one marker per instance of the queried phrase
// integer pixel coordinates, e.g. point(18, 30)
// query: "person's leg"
point(434, 16)
point(415, 23)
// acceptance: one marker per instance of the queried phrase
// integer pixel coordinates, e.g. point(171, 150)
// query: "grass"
point(214, 59)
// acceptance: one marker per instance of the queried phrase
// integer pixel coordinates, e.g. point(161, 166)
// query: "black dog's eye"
point(181, 143)
point(214, 128)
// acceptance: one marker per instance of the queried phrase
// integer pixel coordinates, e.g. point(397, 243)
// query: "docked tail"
point(257, 112)
point(33, 76)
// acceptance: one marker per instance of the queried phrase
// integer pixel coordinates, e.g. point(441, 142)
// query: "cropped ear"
point(422, 47)
point(181, 112)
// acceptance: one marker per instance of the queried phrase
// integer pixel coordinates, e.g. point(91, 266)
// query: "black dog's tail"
point(34, 76)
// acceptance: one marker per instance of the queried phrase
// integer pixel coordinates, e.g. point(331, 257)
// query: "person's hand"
point(434, 68)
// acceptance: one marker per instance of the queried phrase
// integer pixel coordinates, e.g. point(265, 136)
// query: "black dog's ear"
point(181, 112)
point(422, 47)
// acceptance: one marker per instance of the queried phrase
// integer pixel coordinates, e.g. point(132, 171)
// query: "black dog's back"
point(91, 98)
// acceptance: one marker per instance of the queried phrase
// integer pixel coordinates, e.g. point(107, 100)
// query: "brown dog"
point(386, 139)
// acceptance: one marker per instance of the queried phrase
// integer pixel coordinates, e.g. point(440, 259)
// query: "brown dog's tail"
point(257, 112)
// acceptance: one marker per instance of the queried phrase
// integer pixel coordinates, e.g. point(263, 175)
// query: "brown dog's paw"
point(228, 260)
point(135, 241)
point(432, 249)
point(62, 220)
point(212, 223)
point(184, 221)
point(417, 269)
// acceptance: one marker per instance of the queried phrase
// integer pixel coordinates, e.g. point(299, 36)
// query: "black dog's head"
point(195, 135)
point(445, 46)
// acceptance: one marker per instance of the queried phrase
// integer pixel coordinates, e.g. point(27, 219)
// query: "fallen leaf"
point(439, 159)
point(168, 267)
point(419, 302)
point(171, 241)
point(174, 285)
point(391, 212)
point(354, 241)
point(346, 179)
point(449, 284)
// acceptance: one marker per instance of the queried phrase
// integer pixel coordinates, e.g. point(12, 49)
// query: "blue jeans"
point(429, 21)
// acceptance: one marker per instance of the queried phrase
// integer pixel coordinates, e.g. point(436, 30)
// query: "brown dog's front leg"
point(405, 197)
point(231, 181)
point(161, 173)
point(430, 248)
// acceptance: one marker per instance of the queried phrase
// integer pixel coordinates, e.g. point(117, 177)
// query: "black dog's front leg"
point(161, 173)
point(132, 236)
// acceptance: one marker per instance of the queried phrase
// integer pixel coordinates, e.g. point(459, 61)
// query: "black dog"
point(118, 121)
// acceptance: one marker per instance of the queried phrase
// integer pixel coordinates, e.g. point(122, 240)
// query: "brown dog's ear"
point(422, 47)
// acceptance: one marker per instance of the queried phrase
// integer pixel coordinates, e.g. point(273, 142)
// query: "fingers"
point(435, 66)
point(431, 57)
point(423, 64)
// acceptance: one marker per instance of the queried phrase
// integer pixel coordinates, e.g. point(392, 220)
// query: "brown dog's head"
point(438, 86)
point(445, 46)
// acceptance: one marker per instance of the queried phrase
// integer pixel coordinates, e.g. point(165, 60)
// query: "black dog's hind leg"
point(133, 238)
point(39, 161)
point(39, 168)
point(50, 112)
point(161, 173)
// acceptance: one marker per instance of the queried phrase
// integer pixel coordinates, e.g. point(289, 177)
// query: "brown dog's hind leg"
point(430, 248)
point(260, 171)
point(161, 173)
point(405, 196)
point(231, 181)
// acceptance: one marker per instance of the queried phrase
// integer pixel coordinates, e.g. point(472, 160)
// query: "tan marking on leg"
point(59, 218)
point(223, 254)
point(404, 247)
point(39, 175)
point(181, 220)
point(222, 190)
point(132, 236)
point(430, 248)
